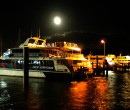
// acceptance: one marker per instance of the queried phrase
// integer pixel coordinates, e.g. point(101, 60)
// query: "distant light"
point(57, 20)
point(128, 57)
point(102, 41)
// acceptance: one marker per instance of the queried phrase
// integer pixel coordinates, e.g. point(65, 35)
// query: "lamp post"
point(103, 42)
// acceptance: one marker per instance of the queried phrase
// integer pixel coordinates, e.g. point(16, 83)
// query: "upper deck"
point(39, 48)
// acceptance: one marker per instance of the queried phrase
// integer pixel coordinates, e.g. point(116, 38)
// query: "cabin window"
point(47, 63)
point(31, 41)
point(39, 42)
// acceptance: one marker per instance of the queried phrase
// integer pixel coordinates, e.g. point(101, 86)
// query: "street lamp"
point(103, 42)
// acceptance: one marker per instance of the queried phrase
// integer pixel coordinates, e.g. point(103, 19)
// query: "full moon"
point(57, 20)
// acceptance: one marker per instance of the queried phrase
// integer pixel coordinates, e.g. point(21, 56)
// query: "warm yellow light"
point(102, 41)
point(57, 20)
point(78, 49)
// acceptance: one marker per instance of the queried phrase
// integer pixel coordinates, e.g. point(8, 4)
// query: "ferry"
point(46, 60)
point(123, 59)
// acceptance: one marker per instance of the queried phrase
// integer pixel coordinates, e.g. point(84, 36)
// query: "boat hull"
point(20, 73)
point(64, 75)
point(57, 75)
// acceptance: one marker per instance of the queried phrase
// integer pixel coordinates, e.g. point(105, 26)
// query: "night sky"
point(85, 22)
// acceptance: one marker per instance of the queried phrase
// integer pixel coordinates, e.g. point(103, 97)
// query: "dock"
point(101, 66)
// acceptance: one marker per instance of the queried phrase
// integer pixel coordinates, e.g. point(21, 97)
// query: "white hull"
point(20, 73)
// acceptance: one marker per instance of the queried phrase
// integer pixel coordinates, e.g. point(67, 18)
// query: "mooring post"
point(92, 66)
point(107, 69)
point(122, 66)
point(96, 62)
point(128, 66)
point(26, 68)
point(103, 68)
point(97, 71)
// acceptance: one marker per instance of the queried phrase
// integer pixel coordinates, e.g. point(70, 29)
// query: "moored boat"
point(46, 60)
point(123, 59)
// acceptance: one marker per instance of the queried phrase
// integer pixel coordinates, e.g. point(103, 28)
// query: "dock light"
point(103, 42)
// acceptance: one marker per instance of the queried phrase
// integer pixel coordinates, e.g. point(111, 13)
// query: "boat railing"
point(75, 55)
point(64, 55)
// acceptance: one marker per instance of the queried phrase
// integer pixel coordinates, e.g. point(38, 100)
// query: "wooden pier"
point(101, 67)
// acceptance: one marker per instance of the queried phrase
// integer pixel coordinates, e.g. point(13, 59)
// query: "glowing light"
point(102, 41)
point(73, 48)
point(57, 20)
point(128, 57)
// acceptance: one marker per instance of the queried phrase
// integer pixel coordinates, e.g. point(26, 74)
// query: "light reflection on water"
point(91, 94)
point(119, 90)
point(97, 93)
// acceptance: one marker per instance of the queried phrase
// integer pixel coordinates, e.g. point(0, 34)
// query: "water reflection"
point(5, 99)
point(33, 97)
point(91, 94)
point(3, 84)
point(119, 90)
point(96, 93)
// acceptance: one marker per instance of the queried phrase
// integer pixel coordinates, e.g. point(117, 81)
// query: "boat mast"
point(31, 32)
point(1, 47)
point(19, 41)
point(39, 32)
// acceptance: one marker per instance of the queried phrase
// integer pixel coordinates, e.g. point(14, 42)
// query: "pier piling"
point(26, 68)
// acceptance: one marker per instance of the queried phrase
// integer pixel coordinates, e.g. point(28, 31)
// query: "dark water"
point(97, 93)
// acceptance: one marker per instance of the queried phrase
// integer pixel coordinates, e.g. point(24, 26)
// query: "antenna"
point(19, 41)
point(39, 32)
point(1, 47)
point(31, 32)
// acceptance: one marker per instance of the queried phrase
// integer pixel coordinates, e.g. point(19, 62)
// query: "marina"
point(64, 55)
point(57, 60)
point(42, 70)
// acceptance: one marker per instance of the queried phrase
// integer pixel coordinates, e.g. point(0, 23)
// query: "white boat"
point(123, 59)
point(46, 60)
point(111, 59)
point(117, 60)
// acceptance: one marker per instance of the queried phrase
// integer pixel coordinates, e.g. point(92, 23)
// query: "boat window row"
point(33, 64)
point(68, 62)
point(123, 60)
